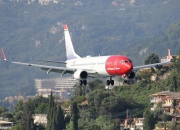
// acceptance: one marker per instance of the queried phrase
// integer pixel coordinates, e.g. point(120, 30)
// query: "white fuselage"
point(96, 64)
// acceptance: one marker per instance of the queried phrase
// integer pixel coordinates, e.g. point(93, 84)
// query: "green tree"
point(19, 106)
point(105, 123)
point(55, 116)
point(176, 64)
point(3, 109)
point(95, 84)
point(164, 117)
point(96, 97)
point(153, 58)
point(74, 116)
point(174, 105)
point(17, 127)
point(60, 122)
point(174, 126)
point(50, 115)
point(18, 110)
point(27, 120)
point(78, 94)
point(149, 121)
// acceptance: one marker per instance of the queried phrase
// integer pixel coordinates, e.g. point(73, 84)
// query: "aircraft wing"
point(150, 65)
point(62, 70)
point(48, 68)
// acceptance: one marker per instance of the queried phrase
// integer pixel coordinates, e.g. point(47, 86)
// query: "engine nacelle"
point(130, 76)
point(80, 74)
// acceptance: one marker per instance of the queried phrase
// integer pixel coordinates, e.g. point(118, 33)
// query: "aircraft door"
point(116, 65)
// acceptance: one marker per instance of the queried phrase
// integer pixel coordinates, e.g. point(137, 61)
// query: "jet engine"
point(130, 76)
point(80, 74)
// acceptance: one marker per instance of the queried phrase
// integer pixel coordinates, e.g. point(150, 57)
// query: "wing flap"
point(62, 62)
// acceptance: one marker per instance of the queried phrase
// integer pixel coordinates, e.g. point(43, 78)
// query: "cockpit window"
point(125, 61)
point(130, 60)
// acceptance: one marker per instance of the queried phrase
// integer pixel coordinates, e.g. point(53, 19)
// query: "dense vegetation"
point(33, 31)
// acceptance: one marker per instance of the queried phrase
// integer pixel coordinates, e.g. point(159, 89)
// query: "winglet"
point(3, 54)
point(169, 55)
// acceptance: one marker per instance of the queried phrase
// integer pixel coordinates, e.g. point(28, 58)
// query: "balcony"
point(156, 100)
point(152, 108)
point(166, 105)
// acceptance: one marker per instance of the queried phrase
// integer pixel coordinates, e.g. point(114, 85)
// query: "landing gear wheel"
point(112, 82)
point(108, 82)
point(81, 82)
point(85, 82)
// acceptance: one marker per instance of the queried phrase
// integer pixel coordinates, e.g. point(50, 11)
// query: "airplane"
point(96, 67)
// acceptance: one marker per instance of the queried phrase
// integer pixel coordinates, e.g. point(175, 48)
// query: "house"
point(40, 119)
point(138, 124)
point(5, 124)
point(168, 101)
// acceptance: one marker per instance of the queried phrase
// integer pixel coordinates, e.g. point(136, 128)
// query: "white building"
point(5, 124)
point(44, 83)
point(44, 92)
point(40, 119)
point(61, 87)
point(138, 124)
point(46, 2)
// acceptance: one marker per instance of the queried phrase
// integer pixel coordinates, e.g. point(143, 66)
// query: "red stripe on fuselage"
point(118, 65)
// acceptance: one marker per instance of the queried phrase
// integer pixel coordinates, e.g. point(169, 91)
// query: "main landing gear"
point(82, 82)
point(108, 82)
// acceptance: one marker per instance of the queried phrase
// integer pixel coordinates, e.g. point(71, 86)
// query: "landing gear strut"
point(108, 82)
point(81, 82)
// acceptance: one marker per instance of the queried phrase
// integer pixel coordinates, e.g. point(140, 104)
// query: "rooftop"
point(167, 93)
point(5, 122)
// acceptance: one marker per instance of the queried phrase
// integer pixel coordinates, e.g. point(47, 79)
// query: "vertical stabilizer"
point(70, 53)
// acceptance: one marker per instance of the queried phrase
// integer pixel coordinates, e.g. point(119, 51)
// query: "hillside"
point(34, 31)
